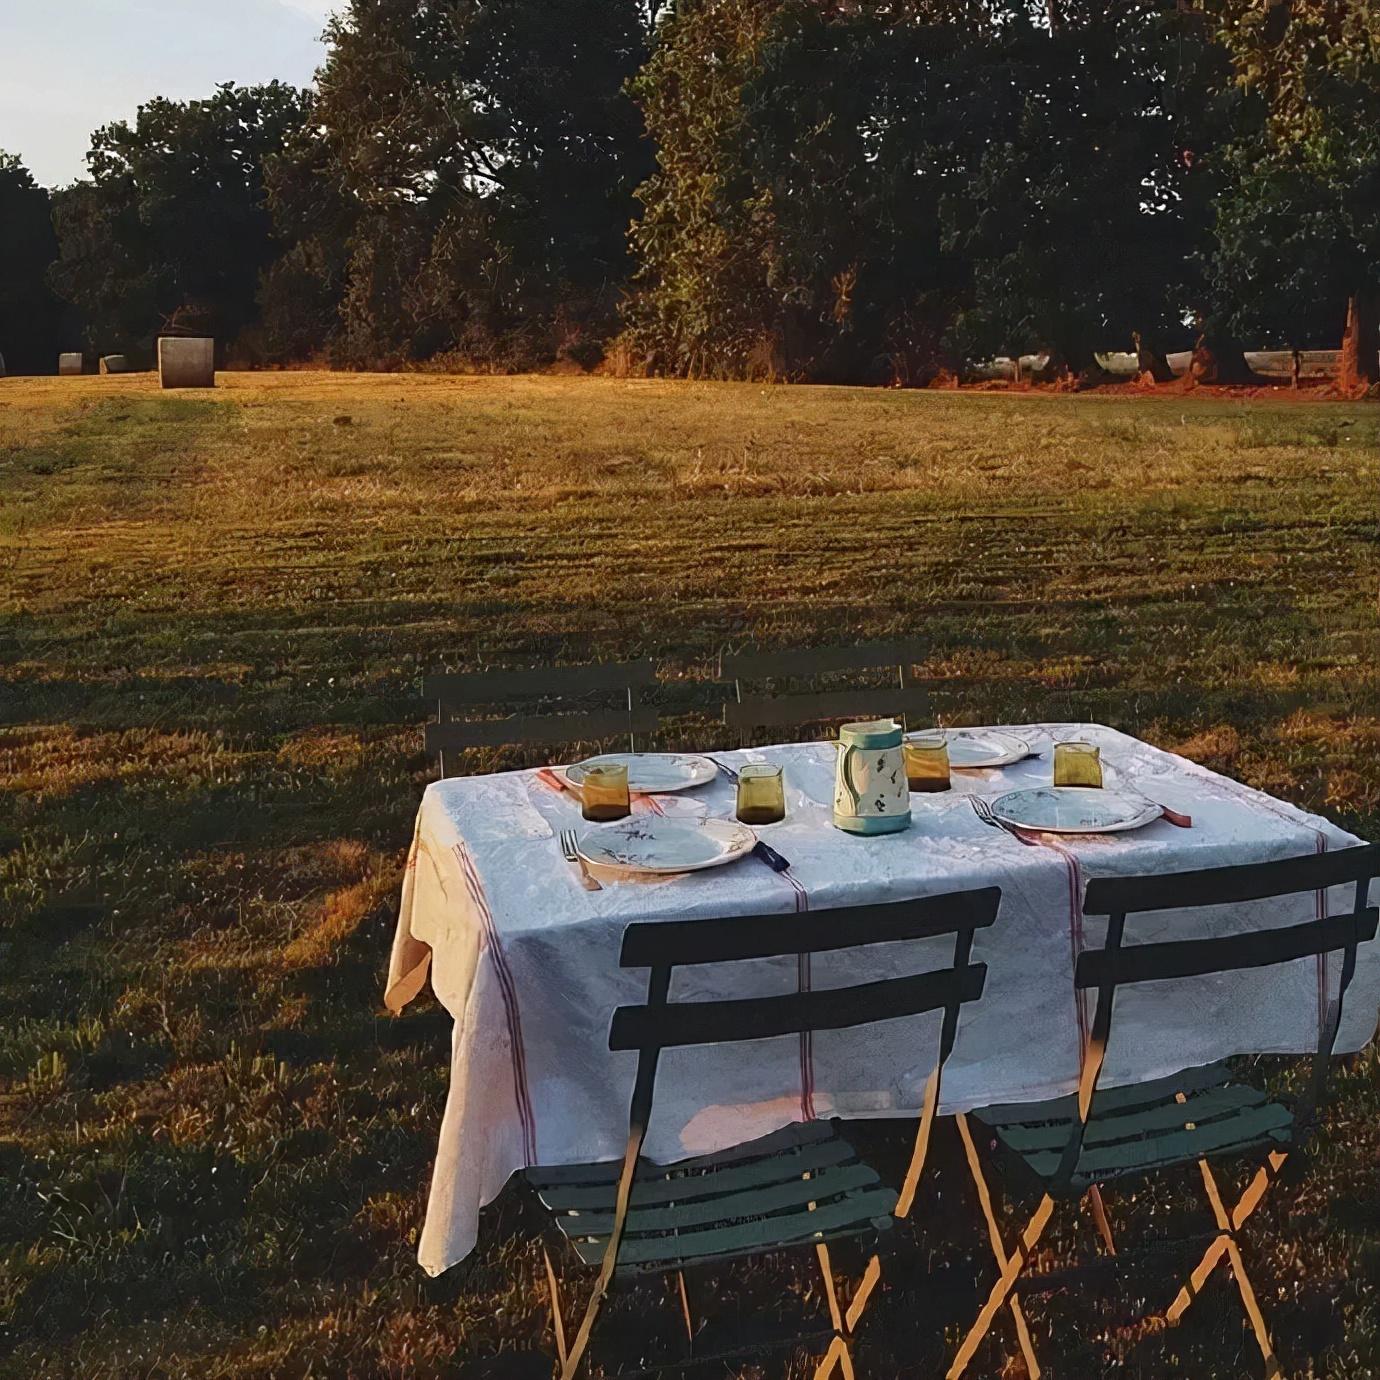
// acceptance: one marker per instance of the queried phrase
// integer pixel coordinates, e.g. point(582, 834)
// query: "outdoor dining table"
point(526, 961)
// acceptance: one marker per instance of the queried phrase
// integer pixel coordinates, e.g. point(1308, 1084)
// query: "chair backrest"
point(662, 946)
point(1115, 965)
point(753, 709)
point(570, 688)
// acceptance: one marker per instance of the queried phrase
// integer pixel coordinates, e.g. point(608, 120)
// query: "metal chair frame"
point(1114, 965)
point(661, 1024)
point(749, 710)
point(452, 691)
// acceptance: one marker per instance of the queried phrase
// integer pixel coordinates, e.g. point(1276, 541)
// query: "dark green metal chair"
point(544, 706)
point(1076, 1144)
point(804, 1186)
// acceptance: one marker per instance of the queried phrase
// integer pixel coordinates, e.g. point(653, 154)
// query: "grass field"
point(214, 612)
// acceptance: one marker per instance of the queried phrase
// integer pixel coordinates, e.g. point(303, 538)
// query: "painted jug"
point(870, 791)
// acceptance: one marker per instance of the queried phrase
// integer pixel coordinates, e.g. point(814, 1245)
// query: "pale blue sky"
point(67, 66)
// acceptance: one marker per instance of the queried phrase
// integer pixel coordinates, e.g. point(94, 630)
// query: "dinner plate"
point(650, 773)
point(655, 843)
point(1075, 810)
point(979, 747)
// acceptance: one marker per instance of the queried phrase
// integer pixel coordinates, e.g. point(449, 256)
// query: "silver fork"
point(984, 812)
point(572, 854)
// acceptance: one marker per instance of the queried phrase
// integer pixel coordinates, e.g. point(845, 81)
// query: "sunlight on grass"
point(214, 617)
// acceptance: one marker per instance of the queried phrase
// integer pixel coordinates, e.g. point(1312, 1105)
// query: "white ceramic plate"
point(979, 747)
point(1075, 810)
point(650, 773)
point(653, 843)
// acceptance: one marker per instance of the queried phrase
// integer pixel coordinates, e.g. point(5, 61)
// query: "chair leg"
point(984, 1194)
point(911, 1182)
point(685, 1309)
point(1104, 1225)
point(557, 1322)
point(836, 1356)
point(1001, 1290)
point(845, 1321)
point(1249, 1201)
point(1238, 1268)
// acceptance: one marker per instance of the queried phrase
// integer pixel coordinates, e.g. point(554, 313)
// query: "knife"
point(771, 857)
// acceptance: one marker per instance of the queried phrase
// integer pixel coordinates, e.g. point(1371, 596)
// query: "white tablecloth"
point(526, 961)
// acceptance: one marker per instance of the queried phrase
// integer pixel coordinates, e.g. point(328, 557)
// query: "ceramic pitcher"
point(870, 791)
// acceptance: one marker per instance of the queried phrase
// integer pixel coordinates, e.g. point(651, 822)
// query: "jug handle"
point(846, 776)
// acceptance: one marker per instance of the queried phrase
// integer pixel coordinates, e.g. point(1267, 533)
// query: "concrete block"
point(69, 364)
point(114, 364)
point(186, 361)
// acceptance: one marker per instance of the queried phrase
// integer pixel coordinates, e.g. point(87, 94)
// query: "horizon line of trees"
point(829, 190)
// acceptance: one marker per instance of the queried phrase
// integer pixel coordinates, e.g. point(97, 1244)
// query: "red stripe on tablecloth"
point(807, 1043)
point(1075, 885)
point(1320, 911)
point(508, 990)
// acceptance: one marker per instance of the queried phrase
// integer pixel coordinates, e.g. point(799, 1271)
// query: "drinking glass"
point(1077, 764)
point(927, 762)
point(604, 793)
point(761, 793)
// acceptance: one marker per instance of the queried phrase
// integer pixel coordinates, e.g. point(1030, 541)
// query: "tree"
point(487, 153)
point(173, 217)
point(30, 316)
point(878, 189)
point(1085, 189)
point(1298, 229)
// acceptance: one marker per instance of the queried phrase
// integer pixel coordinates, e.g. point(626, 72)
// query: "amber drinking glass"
point(761, 793)
point(604, 793)
point(1077, 764)
point(927, 762)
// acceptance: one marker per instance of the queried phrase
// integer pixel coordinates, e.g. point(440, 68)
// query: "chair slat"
point(1270, 1124)
point(1195, 957)
point(660, 1188)
point(759, 1201)
point(1147, 1121)
point(812, 661)
point(1228, 885)
point(797, 1136)
point(649, 943)
point(767, 1233)
point(723, 1022)
point(539, 728)
point(484, 687)
point(771, 711)
point(871, 1229)
point(1109, 1100)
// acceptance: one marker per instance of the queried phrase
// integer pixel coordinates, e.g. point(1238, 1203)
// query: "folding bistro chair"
point(752, 709)
point(550, 716)
point(800, 1187)
point(1077, 1143)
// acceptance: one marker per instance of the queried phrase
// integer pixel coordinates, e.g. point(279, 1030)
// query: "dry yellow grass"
point(214, 612)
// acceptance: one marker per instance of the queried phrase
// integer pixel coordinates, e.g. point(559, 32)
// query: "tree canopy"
point(30, 316)
point(869, 190)
point(174, 218)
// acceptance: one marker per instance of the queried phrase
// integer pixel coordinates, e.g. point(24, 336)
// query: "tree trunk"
point(1151, 361)
point(1359, 366)
point(1219, 360)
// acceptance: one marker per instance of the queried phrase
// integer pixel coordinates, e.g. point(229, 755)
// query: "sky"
point(69, 66)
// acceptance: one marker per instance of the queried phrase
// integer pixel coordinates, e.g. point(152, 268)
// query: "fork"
point(983, 811)
point(572, 854)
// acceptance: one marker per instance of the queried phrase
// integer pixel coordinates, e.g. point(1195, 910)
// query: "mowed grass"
point(214, 613)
